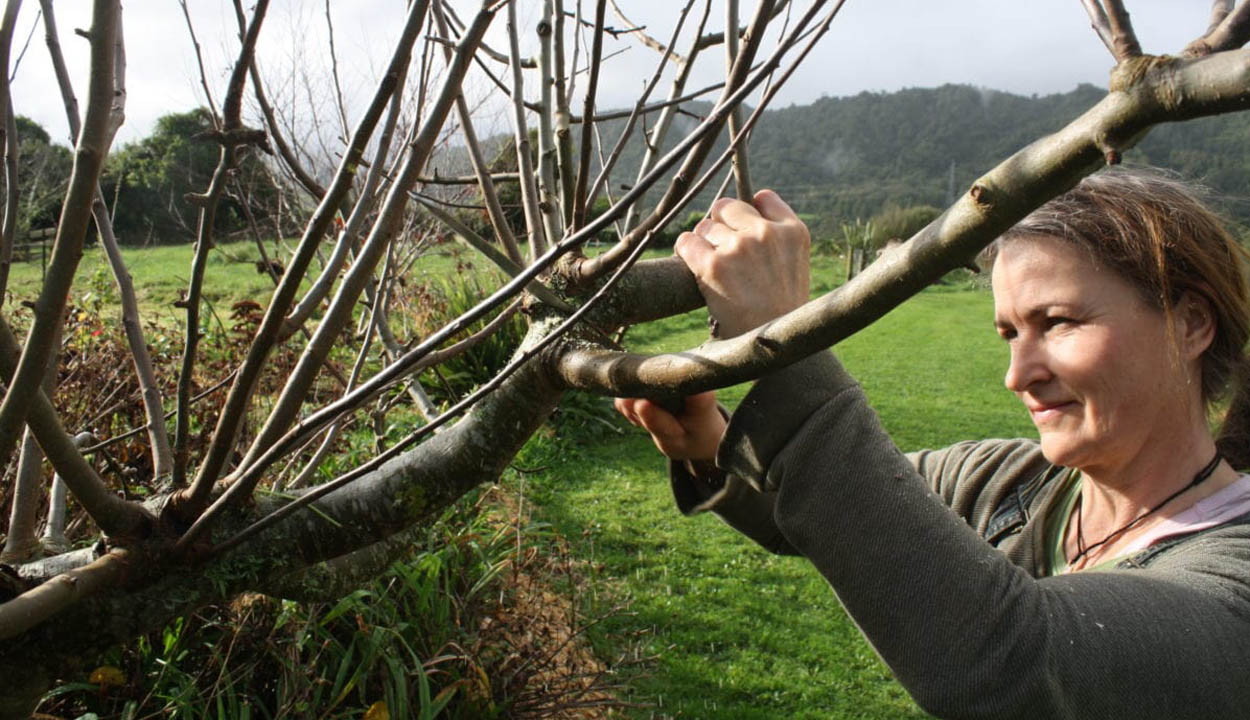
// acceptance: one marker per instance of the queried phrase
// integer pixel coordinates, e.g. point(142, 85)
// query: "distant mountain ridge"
point(847, 157)
point(842, 158)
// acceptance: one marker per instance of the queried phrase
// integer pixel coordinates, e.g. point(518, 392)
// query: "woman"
point(1103, 571)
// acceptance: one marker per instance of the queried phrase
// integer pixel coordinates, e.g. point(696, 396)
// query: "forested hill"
point(848, 157)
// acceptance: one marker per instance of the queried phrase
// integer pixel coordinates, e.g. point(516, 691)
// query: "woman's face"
point(1090, 359)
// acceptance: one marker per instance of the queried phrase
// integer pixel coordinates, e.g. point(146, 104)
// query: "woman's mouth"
point(1044, 413)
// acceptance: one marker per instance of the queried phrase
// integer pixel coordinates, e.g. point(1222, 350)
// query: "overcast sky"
point(1023, 46)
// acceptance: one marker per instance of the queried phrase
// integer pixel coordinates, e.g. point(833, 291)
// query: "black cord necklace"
point(1083, 549)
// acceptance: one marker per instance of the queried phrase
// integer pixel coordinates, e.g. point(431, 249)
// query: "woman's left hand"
point(751, 261)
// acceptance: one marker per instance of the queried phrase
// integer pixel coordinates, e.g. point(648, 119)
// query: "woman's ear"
point(1195, 324)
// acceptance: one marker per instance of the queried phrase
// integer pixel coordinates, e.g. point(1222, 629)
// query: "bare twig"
point(639, 31)
point(230, 123)
point(339, 104)
point(8, 230)
point(1098, 21)
point(366, 200)
point(485, 180)
point(529, 188)
point(605, 167)
point(500, 260)
point(654, 140)
point(742, 172)
point(588, 112)
point(199, 60)
point(289, 159)
point(1125, 45)
point(730, 98)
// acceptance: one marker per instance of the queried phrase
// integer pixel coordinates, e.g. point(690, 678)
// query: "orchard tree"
point(215, 528)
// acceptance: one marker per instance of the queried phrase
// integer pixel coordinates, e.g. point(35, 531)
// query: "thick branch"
point(1169, 90)
point(47, 599)
point(153, 404)
point(93, 143)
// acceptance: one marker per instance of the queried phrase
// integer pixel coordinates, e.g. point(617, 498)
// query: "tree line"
point(146, 182)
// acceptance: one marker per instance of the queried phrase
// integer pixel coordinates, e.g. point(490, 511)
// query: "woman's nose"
point(1027, 367)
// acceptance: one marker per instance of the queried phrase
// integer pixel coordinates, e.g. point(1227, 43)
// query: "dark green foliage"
point(146, 182)
point(42, 173)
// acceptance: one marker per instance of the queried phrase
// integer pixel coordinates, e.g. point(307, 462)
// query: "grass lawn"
point(740, 633)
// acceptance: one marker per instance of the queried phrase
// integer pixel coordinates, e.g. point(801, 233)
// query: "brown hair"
point(1155, 232)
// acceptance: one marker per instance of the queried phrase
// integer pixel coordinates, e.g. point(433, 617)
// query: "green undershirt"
point(1057, 528)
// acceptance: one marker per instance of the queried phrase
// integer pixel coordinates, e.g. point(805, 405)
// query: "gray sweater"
point(968, 626)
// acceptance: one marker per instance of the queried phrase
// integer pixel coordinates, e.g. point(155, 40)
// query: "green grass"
point(161, 272)
point(740, 633)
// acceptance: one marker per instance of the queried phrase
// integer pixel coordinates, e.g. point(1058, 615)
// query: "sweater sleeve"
point(959, 473)
point(968, 633)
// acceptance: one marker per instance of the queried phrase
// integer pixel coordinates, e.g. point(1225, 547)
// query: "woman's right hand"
point(750, 260)
point(693, 434)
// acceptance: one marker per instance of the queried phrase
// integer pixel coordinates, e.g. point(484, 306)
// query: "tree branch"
point(230, 122)
point(485, 180)
point(153, 403)
point(735, 92)
point(1232, 32)
point(389, 221)
point(742, 171)
point(1098, 21)
point(529, 188)
point(116, 517)
point(93, 143)
point(1124, 39)
point(588, 112)
point(1169, 90)
point(237, 400)
point(366, 200)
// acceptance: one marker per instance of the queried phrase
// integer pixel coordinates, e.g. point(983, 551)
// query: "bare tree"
point(215, 531)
